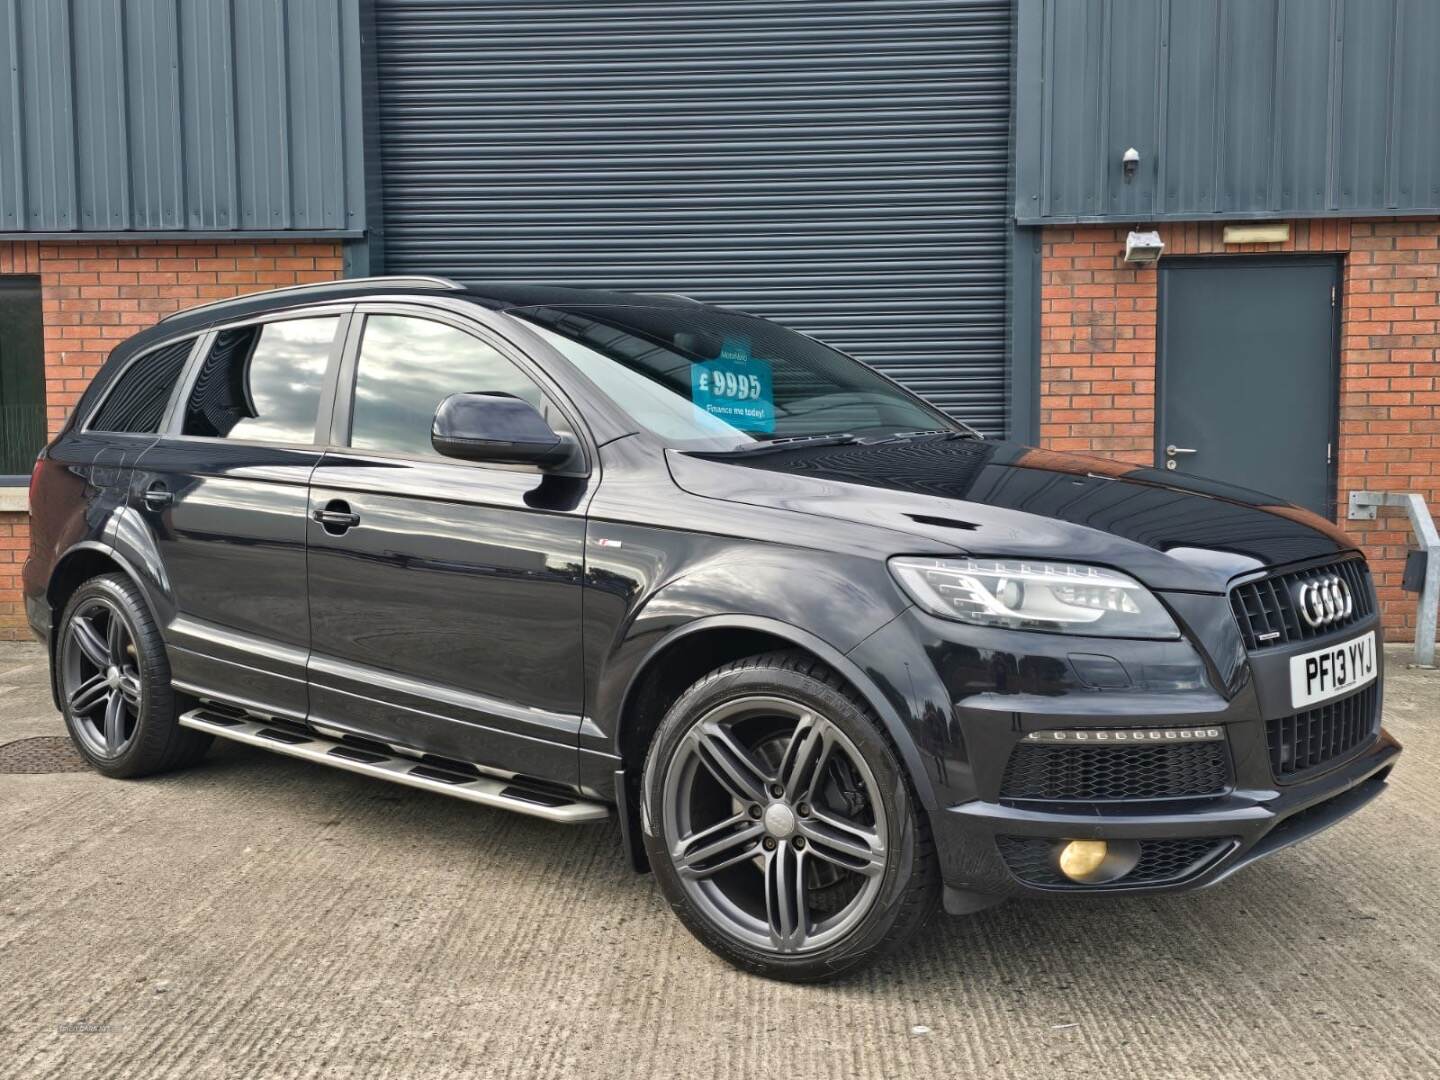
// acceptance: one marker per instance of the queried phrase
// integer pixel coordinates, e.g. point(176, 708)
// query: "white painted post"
point(1363, 507)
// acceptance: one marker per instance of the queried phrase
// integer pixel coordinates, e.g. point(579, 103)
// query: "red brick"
point(95, 295)
point(1098, 359)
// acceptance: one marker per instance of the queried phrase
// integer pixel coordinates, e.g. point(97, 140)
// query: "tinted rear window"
point(136, 403)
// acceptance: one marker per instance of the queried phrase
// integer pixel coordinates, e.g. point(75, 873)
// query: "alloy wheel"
point(100, 678)
point(775, 825)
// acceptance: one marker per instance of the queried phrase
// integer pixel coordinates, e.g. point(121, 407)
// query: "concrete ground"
point(260, 917)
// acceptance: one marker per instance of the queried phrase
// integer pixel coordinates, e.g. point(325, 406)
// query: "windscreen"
point(706, 379)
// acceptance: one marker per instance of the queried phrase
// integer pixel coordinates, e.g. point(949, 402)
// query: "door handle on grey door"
point(1172, 451)
point(157, 496)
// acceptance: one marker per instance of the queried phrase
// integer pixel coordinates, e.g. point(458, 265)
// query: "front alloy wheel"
point(779, 824)
point(774, 824)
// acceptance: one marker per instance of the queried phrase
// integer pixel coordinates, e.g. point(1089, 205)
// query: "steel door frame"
point(1336, 263)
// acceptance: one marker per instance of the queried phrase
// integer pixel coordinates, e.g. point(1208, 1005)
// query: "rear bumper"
point(1246, 825)
point(34, 578)
point(34, 584)
point(39, 616)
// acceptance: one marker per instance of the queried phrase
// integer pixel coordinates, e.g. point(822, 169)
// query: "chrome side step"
point(486, 790)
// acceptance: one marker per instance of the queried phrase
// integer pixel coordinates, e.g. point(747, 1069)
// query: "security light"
point(1143, 247)
point(1129, 163)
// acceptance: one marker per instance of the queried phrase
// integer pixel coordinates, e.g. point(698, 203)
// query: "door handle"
point(1172, 450)
point(336, 516)
point(157, 496)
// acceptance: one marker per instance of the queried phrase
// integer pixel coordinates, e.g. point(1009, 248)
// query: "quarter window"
point(408, 366)
point(136, 403)
point(262, 383)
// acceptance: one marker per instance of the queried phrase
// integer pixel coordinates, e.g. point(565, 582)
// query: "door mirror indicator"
point(497, 427)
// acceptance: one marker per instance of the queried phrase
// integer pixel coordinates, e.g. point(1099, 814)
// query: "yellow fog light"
point(1080, 860)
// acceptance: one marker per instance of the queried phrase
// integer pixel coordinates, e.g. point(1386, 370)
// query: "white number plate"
point(1334, 670)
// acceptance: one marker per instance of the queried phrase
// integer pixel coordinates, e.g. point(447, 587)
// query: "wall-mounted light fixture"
point(1129, 163)
point(1143, 247)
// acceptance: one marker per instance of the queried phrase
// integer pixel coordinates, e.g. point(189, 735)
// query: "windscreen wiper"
point(843, 438)
point(946, 433)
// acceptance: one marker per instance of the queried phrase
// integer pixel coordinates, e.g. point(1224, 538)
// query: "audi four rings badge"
point(1324, 601)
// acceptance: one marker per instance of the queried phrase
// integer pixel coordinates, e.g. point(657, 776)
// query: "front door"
point(1247, 373)
point(444, 595)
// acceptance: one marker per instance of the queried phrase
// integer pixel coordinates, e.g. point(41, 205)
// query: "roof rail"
point(320, 287)
point(672, 296)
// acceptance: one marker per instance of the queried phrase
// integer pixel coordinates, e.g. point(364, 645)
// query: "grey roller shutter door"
point(839, 166)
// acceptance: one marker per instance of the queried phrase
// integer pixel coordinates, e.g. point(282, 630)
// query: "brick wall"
point(14, 544)
point(96, 295)
point(1098, 333)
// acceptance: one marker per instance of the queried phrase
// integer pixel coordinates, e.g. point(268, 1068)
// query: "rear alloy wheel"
point(113, 679)
point(99, 678)
point(779, 824)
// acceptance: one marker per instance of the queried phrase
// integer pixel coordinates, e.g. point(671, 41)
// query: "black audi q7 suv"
point(828, 656)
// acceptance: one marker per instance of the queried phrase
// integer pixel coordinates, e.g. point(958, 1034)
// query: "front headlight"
point(1017, 594)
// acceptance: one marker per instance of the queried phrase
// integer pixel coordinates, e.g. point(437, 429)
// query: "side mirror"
point(497, 427)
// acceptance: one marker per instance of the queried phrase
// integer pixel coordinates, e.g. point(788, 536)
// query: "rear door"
point(126, 424)
point(221, 497)
point(445, 616)
point(1248, 373)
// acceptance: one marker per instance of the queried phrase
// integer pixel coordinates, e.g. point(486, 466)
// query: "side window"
point(407, 366)
point(262, 383)
point(136, 403)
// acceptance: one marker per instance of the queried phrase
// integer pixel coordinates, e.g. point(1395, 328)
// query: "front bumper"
point(970, 696)
point(1251, 824)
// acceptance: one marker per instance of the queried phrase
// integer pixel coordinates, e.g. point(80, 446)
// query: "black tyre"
point(114, 682)
point(780, 823)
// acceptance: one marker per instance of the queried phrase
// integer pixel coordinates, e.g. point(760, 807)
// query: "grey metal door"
point(837, 165)
point(1247, 373)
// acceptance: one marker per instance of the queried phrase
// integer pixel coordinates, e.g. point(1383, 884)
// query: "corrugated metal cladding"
point(838, 166)
point(1238, 107)
point(199, 116)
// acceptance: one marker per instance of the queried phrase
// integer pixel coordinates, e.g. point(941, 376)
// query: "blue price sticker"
point(736, 388)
